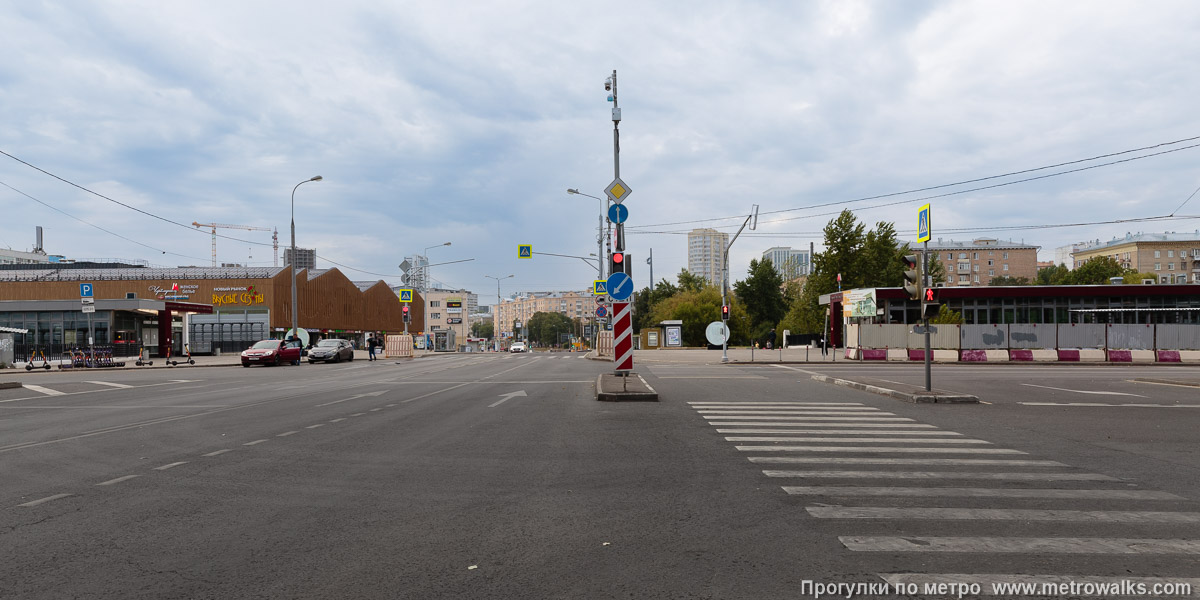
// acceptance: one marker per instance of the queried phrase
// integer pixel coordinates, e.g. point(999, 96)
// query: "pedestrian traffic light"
point(725, 312)
point(616, 263)
point(407, 317)
point(929, 304)
point(912, 276)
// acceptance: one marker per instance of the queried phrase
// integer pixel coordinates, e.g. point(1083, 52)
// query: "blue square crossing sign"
point(600, 287)
point(924, 225)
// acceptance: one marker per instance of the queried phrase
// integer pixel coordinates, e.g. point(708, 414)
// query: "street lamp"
point(599, 227)
point(295, 305)
point(428, 283)
point(496, 311)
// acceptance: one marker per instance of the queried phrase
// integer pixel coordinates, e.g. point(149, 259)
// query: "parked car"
point(331, 350)
point(518, 347)
point(272, 352)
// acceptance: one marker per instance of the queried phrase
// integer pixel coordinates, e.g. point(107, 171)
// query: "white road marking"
point(806, 418)
point(116, 385)
point(358, 414)
point(806, 371)
point(867, 543)
point(375, 410)
point(940, 475)
point(55, 393)
point(286, 433)
point(504, 397)
point(1083, 391)
point(837, 460)
point(905, 426)
point(840, 431)
point(254, 443)
point(336, 420)
point(171, 465)
point(793, 411)
point(117, 480)
point(315, 426)
point(1135, 405)
point(796, 403)
point(878, 450)
point(1001, 514)
point(217, 453)
point(41, 390)
point(44, 500)
point(986, 581)
point(855, 440)
point(978, 492)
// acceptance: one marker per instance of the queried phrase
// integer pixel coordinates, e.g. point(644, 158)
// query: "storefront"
point(220, 309)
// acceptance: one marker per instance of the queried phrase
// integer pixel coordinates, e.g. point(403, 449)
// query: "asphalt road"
point(499, 476)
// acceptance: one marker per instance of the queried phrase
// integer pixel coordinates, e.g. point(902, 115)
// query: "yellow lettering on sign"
point(243, 298)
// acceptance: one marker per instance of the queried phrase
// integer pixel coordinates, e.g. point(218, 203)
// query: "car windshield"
point(266, 344)
point(328, 343)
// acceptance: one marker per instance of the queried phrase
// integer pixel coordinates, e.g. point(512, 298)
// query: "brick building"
point(977, 262)
point(1174, 257)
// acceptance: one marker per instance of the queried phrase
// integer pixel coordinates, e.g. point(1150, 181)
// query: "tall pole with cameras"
point(295, 302)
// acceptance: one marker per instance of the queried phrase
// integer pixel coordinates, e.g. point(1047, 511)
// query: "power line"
point(946, 185)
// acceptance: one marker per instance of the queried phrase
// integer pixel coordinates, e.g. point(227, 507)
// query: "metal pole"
point(650, 261)
point(928, 351)
point(295, 300)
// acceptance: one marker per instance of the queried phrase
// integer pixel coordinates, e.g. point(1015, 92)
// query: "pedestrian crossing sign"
point(600, 287)
point(406, 296)
point(525, 251)
point(924, 228)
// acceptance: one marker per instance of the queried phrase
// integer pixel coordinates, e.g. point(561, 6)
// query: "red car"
point(272, 352)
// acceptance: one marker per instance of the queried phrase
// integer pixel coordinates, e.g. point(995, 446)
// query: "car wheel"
point(337, 358)
point(247, 365)
point(277, 360)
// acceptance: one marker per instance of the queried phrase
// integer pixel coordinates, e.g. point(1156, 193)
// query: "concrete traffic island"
point(907, 393)
point(7, 385)
point(614, 388)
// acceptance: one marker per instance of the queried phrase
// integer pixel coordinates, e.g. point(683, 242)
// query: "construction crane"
point(214, 226)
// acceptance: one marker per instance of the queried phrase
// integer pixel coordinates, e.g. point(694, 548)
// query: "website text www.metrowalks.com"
point(1000, 589)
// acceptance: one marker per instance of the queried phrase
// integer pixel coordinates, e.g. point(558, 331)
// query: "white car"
point(518, 347)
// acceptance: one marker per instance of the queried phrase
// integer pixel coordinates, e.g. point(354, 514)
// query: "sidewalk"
point(698, 356)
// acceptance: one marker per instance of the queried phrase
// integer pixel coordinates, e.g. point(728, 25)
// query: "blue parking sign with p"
point(85, 290)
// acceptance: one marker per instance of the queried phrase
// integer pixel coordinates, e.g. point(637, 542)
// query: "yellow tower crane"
point(214, 226)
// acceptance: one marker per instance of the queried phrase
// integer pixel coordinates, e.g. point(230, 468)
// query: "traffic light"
point(929, 304)
point(725, 312)
point(912, 276)
point(616, 263)
point(407, 317)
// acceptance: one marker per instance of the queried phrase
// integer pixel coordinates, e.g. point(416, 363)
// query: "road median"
point(907, 393)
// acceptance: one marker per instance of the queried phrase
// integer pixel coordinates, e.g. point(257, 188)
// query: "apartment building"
point(705, 251)
point(977, 262)
point(450, 309)
point(1173, 256)
point(790, 263)
point(520, 308)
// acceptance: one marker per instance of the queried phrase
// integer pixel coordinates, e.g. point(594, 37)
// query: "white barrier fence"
point(398, 346)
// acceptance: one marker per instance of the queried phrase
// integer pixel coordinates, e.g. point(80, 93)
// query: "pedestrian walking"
point(372, 344)
point(771, 339)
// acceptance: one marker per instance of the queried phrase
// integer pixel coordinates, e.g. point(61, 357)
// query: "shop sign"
point(175, 292)
point(454, 311)
point(454, 320)
point(454, 303)
point(230, 296)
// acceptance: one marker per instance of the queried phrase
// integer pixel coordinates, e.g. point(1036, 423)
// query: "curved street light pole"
point(295, 304)
point(599, 229)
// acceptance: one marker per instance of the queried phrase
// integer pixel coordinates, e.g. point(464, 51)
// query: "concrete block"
point(1142, 356)
point(997, 355)
point(1045, 356)
point(1091, 355)
point(1189, 356)
point(897, 354)
point(1120, 356)
point(938, 355)
point(873, 354)
point(973, 356)
point(852, 353)
point(1020, 355)
point(1168, 356)
point(1068, 355)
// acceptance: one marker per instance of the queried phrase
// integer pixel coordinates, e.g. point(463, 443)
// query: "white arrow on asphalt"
point(504, 397)
point(355, 397)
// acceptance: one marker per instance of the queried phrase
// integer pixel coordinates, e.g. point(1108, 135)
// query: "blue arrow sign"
point(85, 290)
point(617, 213)
point(620, 286)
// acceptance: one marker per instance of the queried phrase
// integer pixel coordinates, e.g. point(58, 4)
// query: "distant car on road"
point(272, 352)
point(518, 347)
point(331, 350)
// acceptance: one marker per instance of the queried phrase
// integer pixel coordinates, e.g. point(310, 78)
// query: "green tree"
point(482, 329)
point(544, 327)
point(946, 316)
point(879, 259)
point(1097, 271)
point(762, 294)
point(1008, 280)
point(693, 283)
point(697, 309)
point(1056, 275)
point(936, 268)
point(643, 304)
point(1133, 277)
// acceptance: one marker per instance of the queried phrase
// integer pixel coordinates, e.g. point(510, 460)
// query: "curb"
point(624, 396)
point(8, 385)
point(918, 398)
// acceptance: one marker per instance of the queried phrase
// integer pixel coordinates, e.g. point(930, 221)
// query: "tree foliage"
point(693, 283)
point(482, 329)
point(1009, 280)
point(762, 294)
point(544, 327)
point(946, 316)
point(697, 309)
point(1097, 271)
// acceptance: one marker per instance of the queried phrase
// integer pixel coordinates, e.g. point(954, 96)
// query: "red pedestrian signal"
point(929, 294)
point(725, 312)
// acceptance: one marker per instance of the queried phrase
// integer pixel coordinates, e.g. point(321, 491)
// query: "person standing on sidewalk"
point(372, 343)
point(771, 339)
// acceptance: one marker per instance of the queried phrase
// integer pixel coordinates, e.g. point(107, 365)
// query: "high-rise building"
point(790, 263)
point(306, 258)
point(706, 248)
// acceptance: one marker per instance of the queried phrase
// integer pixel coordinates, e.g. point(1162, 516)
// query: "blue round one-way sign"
point(620, 286)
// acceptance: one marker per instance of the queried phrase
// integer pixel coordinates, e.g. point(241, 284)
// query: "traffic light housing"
point(616, 262)
point(407, 316)
point(912, 276)
point(929, 304)
point(724, 312)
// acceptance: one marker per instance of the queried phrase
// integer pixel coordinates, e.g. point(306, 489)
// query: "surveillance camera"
point(608, 84)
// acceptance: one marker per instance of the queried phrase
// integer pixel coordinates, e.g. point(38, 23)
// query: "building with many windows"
point(306, 258)
point(705, 251)
point(977, 262)
point(520, 308)
point(790, 263)
point(1173, 256)
point(450, 310)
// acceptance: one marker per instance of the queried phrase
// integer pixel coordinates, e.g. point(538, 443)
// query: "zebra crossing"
point(883, 479)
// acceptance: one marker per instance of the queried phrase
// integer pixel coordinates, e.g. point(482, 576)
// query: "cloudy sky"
point(467, 121)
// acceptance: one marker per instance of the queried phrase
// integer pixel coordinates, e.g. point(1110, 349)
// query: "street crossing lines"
point(878, 449)
point(43, 390)
point(939, 475)
point(839, 440)
point(868, 543)
point(906, 426)
point(1001, 514)
point(956, 462)
point(807, 418)
point(840, 432)
point(977, 492)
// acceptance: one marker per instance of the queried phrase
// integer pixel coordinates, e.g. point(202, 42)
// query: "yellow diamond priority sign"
point(618, 190)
